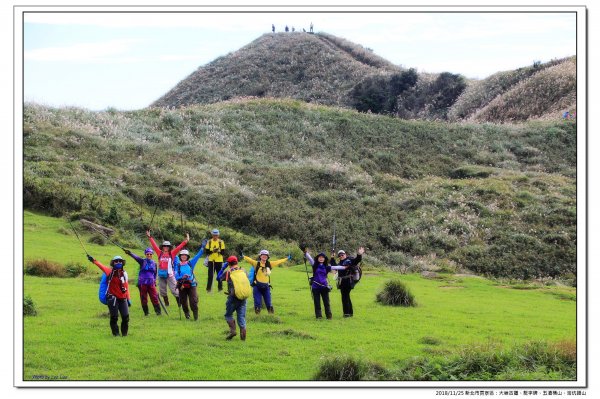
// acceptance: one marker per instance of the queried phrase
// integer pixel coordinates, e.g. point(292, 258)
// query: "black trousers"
point(318, 294)
point(213, 270)
point(346, 301)
point(191, 295)
point(116, 306)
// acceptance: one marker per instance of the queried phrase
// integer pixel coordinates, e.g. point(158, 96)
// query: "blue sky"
point(126, 61)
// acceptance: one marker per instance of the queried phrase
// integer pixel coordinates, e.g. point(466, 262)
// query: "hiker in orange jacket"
point(117, 296)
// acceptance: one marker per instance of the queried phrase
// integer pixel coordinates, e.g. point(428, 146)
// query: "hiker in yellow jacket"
point(214, 250)
point(260, 278)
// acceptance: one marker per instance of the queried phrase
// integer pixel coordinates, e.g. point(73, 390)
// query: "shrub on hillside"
point(74, 269)
point(44, 268)
point(97, 239)
point(396, 293)
point(29, 308)
point(378, 93)
point(430, 98)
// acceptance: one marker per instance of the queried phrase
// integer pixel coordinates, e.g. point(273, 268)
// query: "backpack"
point(356, 274)
point(103, 289)
point(241, 284)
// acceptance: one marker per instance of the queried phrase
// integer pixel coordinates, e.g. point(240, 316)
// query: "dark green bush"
point(29, 308)
point(396, 293)
point(97, 239)
point(74, 269)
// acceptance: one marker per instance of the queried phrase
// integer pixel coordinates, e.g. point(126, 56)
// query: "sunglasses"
point(118, 261)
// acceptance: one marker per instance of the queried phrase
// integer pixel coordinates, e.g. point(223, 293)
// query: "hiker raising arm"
point(186, 281)
point(319, 284)
point(166, 255)
point(260, 278)
point(118, 299)
point(146, 281)
point(345, 280)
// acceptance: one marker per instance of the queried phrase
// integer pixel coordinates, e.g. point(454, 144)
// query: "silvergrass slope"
point(312, 67)
point(495, 199)
point(541, 91)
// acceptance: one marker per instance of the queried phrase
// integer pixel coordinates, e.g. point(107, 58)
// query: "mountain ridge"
point(330, 70)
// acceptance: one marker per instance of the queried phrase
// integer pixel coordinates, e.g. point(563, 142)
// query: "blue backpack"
point(103, 289)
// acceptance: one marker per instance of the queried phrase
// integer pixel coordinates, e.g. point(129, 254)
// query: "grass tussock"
point(428, 340)
point(346, 368)
point(266, 318)
point(29, 307)
point(396, 293)
point(290, 333)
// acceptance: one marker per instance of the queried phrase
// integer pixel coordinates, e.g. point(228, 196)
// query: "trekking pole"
point(77, 235)
point(333, 240)
point(152, 219)
point(162, 305)
point(307, 275)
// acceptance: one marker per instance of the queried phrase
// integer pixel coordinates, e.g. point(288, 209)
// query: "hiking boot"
point(271, 310)
point(243, 334)
point(232, 332)
point(157, 309)
point(257, 310)
point(195, 315)
point(145, 308)
point(187, 316)
point(166, 298)
point(329, 316)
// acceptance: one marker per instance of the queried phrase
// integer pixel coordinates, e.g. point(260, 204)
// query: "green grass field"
point(70, 337)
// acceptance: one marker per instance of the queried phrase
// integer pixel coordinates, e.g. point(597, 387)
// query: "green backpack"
point(241, 284)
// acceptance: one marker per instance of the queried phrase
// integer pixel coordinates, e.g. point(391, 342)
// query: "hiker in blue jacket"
point(183, 268)
point(319, 285)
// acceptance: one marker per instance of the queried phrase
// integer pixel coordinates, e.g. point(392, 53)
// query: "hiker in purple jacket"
point(320, 286)
point(146, 281)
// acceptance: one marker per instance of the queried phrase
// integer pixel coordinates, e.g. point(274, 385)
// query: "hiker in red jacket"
point(117, 295)
point(166, 255)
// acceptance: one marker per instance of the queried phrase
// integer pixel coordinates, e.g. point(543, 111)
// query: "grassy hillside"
point(526, 93)
point(314, 68)
point(496, 331)
point(498, 200)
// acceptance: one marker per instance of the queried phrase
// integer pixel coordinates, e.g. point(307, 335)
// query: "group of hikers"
point(174, 270)
point(287, 29)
